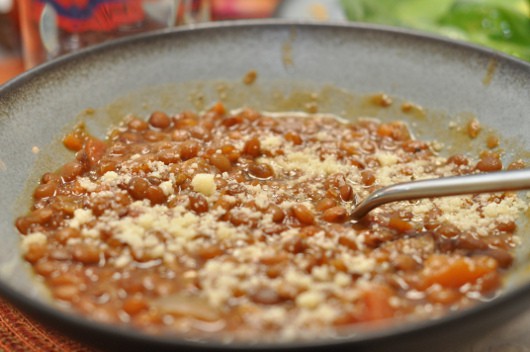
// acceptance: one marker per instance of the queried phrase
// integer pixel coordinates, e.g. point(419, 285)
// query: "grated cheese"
point(204, 183)
point(33, 238)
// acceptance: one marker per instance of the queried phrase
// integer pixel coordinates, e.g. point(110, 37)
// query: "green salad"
point(500, 24)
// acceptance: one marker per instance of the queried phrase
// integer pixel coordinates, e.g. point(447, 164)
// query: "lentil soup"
point(236, 224)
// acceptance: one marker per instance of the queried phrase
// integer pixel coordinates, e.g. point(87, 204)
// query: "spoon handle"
point(444, 186)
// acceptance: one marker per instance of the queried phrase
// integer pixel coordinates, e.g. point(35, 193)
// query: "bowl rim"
point(36, 308)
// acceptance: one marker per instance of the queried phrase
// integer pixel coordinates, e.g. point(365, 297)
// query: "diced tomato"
point(456, 272)
point(376, 301)
point(73, 141)
point(94, 149)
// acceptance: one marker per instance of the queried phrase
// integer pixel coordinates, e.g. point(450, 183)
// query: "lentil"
point(159, 120)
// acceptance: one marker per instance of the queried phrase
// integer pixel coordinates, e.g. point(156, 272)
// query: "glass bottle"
point(54, 27)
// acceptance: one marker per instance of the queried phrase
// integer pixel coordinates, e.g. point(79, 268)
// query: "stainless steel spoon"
point(444, 186)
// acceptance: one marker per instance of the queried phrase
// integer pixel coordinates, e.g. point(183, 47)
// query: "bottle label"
point(93, 15)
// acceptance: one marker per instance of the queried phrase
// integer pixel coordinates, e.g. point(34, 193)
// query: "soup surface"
point(235, 224)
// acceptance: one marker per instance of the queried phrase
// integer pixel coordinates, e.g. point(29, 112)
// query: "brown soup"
point(236, 224)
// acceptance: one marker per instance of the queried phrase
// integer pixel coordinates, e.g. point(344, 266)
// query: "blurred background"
point(33, 31)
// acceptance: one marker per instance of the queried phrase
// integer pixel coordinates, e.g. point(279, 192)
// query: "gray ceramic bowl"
point(190, 68)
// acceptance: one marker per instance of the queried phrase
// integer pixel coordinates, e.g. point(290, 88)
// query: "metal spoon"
point(444, 186)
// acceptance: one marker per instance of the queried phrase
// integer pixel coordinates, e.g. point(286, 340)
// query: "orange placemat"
point(19, 333)
point(10, 67)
